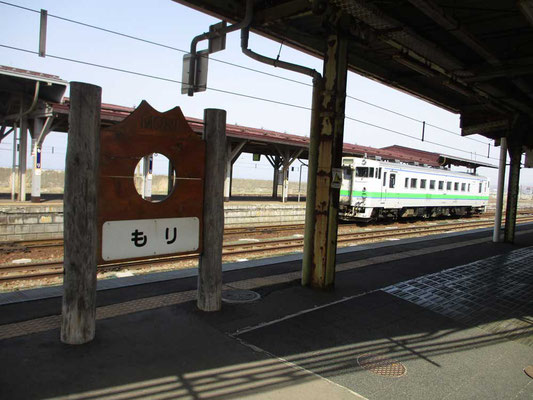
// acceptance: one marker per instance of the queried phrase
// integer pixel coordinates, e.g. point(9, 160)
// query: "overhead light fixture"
point(414, 65)
point(526, 6)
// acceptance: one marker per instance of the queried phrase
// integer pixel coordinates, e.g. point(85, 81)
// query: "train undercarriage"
point(362, 214)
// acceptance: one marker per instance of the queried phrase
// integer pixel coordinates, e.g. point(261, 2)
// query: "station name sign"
point(132, 227)
point(149, 237)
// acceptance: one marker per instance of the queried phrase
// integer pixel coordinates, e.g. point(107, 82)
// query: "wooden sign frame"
point(122, 146)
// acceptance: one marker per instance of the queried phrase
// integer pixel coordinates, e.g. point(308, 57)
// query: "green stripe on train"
point(413, 196)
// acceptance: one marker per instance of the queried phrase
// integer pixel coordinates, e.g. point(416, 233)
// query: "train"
point(374, 190)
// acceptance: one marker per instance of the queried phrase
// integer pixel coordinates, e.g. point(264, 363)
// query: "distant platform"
point(21, 221)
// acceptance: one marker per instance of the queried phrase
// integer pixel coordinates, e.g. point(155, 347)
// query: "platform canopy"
point(474, 58)
point(19, 85)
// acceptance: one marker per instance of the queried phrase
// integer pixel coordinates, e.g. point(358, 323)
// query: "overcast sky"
point(169, 23)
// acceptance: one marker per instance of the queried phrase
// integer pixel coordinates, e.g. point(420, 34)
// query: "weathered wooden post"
point(210, 266)
point(80, 213)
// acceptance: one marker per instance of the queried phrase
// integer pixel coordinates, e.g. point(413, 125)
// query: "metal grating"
point(381, 365)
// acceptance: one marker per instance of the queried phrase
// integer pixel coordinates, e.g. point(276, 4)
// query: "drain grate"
point(381, 365)
point(240, 296)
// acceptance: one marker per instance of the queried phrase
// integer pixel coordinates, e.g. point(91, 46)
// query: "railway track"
point(231, 251)
point(228, 234)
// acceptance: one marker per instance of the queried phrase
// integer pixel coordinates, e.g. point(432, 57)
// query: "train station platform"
point(444, 317)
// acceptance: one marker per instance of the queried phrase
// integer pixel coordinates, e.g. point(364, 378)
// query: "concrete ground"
point(443, 318)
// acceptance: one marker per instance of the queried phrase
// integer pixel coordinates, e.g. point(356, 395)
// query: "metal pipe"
point(499, 194)
point(32, 106)
point(208, 35)
point(245, 33)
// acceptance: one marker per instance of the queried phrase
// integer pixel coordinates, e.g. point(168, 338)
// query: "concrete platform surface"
point(443, 318)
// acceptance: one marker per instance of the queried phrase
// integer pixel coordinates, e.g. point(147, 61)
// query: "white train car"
point(373, 190)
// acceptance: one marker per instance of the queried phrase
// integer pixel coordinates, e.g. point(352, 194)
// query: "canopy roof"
point(474, 58)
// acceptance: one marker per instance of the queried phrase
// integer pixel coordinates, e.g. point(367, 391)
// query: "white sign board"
point(149, 237)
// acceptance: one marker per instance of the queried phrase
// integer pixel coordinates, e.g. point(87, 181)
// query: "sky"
point(174, 25)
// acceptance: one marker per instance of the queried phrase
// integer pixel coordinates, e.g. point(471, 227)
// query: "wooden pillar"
point(80, 213)
point(320, 252)
point(515, 153)
point(210, 266)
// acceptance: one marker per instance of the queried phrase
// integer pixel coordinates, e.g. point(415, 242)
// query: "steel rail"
point(236, 249)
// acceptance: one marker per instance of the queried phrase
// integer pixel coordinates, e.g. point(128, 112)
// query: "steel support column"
point(319, 268)
point(23, 149)
point(515, 153)
point(496, 237)
point(275, 178)
point(147, 177)
point(232, 153)
point(38, 125)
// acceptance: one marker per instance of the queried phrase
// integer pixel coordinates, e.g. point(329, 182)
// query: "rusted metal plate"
point(381, 365)
point(144, 132)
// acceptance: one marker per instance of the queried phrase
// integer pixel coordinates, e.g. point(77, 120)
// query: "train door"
point(383, 188)
point(391, 189)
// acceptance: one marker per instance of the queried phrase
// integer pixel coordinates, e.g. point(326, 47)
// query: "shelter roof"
point(474, 58)
point(270, 142)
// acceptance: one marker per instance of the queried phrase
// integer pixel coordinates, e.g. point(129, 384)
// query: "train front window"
point(361, 172)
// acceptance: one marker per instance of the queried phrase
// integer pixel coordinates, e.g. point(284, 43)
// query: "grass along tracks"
point(16, 276)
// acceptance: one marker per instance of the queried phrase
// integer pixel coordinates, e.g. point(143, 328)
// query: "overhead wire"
point(233, 93)
point(239, 66)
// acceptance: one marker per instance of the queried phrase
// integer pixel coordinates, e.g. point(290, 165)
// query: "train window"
point(441, 185)
point(463, 187)
point(392, 181)
point(422, 183)
point(406, 182)
point(413, 183)
point(378, 173)
point(361, 172)
point(448, 186)
point(480, 184)
point(371, 172)
point(456, 186)
point(469, 187)
point(384, 179)
point(432, 185)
